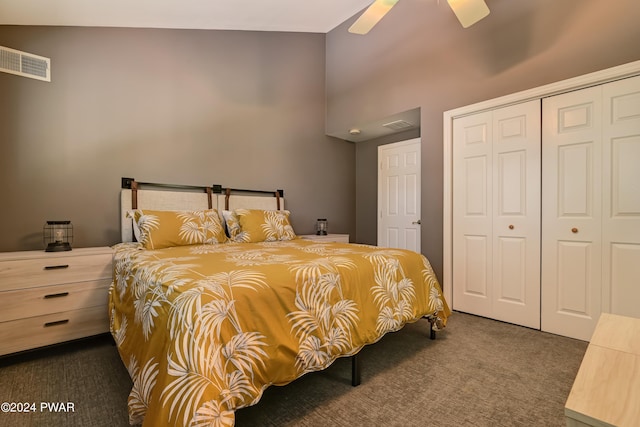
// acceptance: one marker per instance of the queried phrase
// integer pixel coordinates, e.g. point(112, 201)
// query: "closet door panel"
point(473, 273)
point(476, 173)
point(472, 210)
point(496, 214)
point(621, 197)
point(575, 180)
point(573, 297)
point(571, 213)
point(625, 176)
point(516, 214)
point(622, 290)
point(512, 184)
point(512, 282)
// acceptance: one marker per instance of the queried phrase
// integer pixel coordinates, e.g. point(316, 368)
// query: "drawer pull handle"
point(56, 323)
point(61, 294)
point(56, 267)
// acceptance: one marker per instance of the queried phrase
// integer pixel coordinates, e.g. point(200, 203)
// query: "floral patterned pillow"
point(163, 229)
point(262, 226)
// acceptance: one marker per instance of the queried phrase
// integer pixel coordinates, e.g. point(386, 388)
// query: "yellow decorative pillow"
point(163, 229)
point(263, 226)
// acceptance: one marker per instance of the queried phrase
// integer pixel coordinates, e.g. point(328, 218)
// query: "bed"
point(218, 299)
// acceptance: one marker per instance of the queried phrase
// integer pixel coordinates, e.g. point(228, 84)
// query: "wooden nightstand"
point(52, 297)
point(339, 238)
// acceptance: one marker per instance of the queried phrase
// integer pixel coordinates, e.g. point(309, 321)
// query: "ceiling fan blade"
point(469, 12)
point(371, 16)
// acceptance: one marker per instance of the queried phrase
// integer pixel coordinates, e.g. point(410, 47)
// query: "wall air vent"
point(25, 64)
point(398, 125)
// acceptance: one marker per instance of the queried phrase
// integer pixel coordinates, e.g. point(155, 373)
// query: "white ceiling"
point(314, 16)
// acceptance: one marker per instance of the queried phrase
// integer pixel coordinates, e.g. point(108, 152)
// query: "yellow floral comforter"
point(204, 330)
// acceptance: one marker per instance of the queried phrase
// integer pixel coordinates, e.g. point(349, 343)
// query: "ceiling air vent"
point(25, 64)
point(398, 125)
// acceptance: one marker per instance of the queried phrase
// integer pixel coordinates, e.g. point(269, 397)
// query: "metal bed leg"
point(432, 327)
point(355, 370)
point(355, 362)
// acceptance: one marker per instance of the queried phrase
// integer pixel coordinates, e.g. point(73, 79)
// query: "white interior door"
point(591, 207)
point(496, 214)
point(621, 205)
point(473, 214)
point(399, 195)
point(516, 214)
point(572, 213)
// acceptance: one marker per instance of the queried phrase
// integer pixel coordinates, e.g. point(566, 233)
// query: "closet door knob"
point(574, 230)
point(511, 227)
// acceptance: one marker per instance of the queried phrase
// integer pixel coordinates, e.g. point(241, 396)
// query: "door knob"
point(417, 222)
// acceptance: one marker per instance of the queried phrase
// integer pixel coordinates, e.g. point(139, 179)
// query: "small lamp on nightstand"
point(321, 226)
point(57, 235)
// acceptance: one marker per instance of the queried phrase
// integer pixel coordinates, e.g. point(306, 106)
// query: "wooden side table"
point(606, 391)
point(52, 297)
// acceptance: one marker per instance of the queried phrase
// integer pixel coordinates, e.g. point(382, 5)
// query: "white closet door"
point(621, 205)
point(473, 214)
point(516, 214)
point(496, 214)
point(571, 212)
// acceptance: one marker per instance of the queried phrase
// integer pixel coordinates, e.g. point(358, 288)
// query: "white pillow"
point(231, 225)
point(136, 229)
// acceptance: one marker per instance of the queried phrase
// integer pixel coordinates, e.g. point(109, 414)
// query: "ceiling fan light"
point(469, 12)
point(371, 16)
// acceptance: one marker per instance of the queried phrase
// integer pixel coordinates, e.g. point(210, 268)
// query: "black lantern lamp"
point(321, 226)
point(57, 235)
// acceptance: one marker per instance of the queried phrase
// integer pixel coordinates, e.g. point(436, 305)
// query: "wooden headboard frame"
point(147, 195)
point(278, 194)
point(133, 185)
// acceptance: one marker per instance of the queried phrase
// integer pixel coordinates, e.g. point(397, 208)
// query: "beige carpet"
point(478, 372)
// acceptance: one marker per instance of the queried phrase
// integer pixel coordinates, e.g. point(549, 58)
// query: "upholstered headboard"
point(174, 197)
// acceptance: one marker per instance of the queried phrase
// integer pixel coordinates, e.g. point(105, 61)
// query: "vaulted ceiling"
point(315, 16)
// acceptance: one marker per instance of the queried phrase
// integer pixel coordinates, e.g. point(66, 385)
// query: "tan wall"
point(420, 56)
point(240, 109)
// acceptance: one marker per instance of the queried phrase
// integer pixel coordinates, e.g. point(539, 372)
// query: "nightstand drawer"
point(53, 299)
point(39, 331)
point(27, 273)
